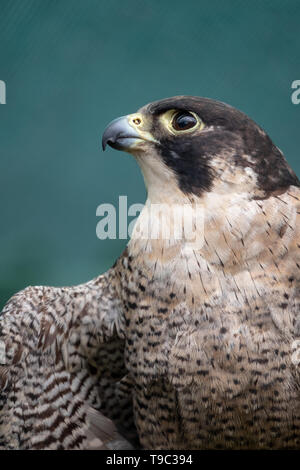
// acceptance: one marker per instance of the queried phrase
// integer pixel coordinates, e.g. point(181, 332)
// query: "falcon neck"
point(230, 232)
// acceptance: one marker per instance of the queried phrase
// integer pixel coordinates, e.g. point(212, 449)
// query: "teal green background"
point(70, 66)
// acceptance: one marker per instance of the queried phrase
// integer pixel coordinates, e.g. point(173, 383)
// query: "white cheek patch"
point(160, 180)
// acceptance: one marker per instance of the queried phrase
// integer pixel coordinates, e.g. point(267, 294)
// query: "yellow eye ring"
point(179, 122)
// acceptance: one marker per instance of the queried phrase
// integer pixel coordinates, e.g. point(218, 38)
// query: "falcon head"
point(189, 146)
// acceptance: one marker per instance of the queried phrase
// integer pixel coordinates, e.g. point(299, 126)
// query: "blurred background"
point(71, 66)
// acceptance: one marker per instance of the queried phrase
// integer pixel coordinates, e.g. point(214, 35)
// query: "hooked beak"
point(120, 135)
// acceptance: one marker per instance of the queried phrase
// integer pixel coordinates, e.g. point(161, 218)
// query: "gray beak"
point(120, 135)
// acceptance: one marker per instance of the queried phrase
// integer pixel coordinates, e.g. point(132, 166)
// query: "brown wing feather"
point(62, 357)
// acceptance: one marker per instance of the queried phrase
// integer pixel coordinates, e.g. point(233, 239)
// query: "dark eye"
point(183, 121)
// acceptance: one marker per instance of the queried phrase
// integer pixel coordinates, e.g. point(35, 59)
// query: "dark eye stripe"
point(183, 121)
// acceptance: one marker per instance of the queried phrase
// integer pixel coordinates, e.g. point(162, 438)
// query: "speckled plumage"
point(213, 344)
point(64, 361)
point(199, 346)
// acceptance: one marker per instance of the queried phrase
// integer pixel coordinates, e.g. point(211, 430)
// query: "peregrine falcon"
point(176, 346)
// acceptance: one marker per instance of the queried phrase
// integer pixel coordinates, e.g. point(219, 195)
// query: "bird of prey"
point(178, 345)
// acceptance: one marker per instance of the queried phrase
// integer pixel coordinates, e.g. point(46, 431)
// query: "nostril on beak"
point(137, 121)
